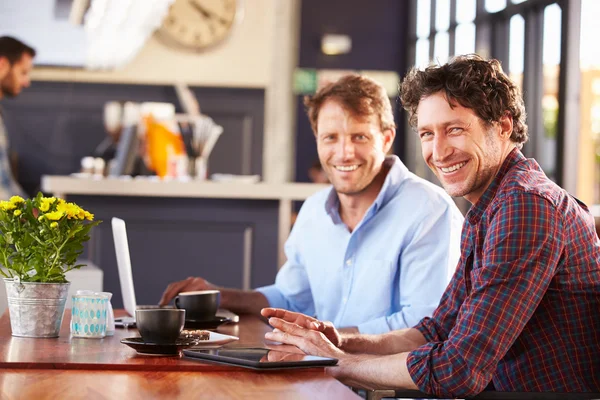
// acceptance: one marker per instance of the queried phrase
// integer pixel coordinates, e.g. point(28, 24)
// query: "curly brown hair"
point(472, 82)
point(360, 95)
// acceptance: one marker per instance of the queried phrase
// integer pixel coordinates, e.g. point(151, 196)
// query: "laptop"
point(126, 277)
point(125, 274)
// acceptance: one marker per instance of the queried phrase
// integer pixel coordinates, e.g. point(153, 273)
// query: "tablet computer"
point(259, 358)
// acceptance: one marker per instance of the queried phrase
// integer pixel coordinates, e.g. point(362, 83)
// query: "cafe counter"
point(229, 233)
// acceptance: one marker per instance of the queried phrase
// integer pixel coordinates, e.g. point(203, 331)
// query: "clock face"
point(198, 24)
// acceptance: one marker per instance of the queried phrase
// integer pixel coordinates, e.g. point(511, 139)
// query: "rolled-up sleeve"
point(291, 289)
point(519, 257)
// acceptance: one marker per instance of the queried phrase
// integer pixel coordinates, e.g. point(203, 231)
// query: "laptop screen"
point(124, 265)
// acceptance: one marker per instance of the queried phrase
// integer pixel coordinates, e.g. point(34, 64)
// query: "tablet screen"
point(260, 358)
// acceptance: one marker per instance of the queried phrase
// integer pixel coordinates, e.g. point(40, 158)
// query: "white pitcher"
point(110, 319)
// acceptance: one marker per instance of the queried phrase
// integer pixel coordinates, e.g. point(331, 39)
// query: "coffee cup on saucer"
point(200, 305)
point(160, 325)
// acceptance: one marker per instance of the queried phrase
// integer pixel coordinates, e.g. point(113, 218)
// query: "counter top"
point(67, 185)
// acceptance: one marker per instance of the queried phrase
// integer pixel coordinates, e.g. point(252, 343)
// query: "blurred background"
point(203, 91)
point(248, 63)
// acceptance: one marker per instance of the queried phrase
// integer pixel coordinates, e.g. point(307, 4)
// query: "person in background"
point(521, 312)
point(16, 62)
point(373, 252)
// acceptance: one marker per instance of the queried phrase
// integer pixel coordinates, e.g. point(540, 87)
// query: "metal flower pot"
point(36, 309)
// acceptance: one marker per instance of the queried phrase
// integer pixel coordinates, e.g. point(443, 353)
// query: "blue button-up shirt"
point(388, 273)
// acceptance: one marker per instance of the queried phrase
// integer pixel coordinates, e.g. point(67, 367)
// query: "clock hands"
point(206, 13)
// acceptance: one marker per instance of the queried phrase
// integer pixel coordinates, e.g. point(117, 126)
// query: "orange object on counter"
point(162, 144)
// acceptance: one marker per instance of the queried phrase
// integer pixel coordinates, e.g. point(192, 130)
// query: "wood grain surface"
point(77, 368)
point(66, 352)
point(93, 385)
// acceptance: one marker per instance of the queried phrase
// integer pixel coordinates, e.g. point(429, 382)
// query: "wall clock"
point(199, 24)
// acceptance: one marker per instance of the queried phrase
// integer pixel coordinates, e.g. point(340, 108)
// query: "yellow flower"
point(72, 210)
point(54, 215)
point(7, 205)
point(17, 200)
point(46, 202)
point(38, 228)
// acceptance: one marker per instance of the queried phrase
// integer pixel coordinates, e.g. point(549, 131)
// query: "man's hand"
point(306, 322)
point(309, 340)
point(187, 285)
point(360, 370)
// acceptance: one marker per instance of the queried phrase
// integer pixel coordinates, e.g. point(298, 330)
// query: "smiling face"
point(460, 149)
point(351, 149)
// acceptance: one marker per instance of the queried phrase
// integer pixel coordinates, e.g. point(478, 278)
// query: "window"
point(465, 38)
point(526, 36)
point(516, 49)
point(493, 6)
point(588, 182)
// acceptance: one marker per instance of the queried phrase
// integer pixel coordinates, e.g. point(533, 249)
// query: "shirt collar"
point(477, 210)
point(397, 172)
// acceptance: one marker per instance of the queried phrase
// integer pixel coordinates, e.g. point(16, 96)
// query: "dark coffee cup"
point(200, 305)
point(160, 325)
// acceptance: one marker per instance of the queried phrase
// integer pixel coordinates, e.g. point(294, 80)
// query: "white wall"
point(33, 21)
point(243, 60)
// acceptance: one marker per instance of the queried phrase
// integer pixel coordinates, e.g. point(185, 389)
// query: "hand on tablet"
point(306, 322)
point(304, 332)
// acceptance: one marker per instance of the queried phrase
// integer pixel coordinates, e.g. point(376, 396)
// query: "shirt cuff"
point(419, 366)
point(428, 329)
point(375, 326)
point(275, 298)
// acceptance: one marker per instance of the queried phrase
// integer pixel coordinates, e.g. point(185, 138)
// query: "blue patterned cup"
point(89, 315)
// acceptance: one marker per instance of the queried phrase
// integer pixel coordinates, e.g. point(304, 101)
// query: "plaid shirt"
point(8, 186)
point(522, 311)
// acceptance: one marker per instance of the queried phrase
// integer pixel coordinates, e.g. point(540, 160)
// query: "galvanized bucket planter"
point(36, 309)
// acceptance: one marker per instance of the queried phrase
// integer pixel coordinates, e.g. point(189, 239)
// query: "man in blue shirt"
point(373, 253)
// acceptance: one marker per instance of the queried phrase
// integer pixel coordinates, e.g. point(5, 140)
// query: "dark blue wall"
point(379, 35)
point(171, 239)
point(52, 125)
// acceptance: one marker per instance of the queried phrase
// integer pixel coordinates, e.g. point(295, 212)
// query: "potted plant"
point(40, 241)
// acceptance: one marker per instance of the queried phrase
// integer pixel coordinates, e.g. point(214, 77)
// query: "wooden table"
point(105, 369)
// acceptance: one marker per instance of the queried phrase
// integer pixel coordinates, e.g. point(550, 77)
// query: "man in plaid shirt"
point(16, 60)
point(522, 312)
